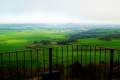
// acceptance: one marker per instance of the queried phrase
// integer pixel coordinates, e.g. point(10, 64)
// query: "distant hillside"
point(97, 32)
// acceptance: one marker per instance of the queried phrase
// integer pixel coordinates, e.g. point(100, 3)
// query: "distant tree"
point(62, 42)
point(106, 38)
point(45, 42)
point(36, 42)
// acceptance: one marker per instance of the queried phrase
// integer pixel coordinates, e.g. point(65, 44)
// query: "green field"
point(115, 43)
point(18, 40)
point(12, 41)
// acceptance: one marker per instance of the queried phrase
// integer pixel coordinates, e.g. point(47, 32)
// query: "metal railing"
point(72, 61)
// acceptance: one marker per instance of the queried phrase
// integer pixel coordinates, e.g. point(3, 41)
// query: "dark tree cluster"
point(106, 38)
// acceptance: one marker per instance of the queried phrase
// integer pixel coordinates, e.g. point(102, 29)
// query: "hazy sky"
point(77, 11)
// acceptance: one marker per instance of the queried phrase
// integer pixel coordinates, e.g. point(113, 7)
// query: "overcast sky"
point(58, 11)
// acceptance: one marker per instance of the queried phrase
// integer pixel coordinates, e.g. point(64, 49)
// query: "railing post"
point(50, 60)
point(111, 63)
point(51, 75)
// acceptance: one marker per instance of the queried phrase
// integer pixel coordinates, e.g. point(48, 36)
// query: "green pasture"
point(18, 40)
point(12, 41)
point(115, 43)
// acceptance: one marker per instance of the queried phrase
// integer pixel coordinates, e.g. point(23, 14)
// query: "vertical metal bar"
point(105, 55)
point(95, 63)
point(85, 54)
point(81, 54)
point(118, 59)
point(67, 61)
point(50, 60)
point(100, 56)
point(24, 64)
point(62, 61)
point(77, 53)
point(95, 56)
point(37, 59)
point(90, 55)
point(100, 62)
point(2, 66)
point(90, 65)
point(62, 55)
point(72, 54)
point(37, 66)
point(56, 57)
point(72, 63)
point(111, 63)
point(67, 55)
point(9, 63)
point(105, 62)
point(17, 64)
point(31, 61)
point(44, 58)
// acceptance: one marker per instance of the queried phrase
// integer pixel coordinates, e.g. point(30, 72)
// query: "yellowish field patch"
point(14, 41)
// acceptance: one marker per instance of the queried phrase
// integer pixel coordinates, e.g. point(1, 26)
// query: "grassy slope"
point(115, 43)
point(18, 40)
point(15, 40)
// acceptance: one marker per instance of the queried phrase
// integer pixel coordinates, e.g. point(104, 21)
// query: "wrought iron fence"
point(81, 62)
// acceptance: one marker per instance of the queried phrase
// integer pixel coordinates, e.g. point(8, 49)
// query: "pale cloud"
point(79, 11)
